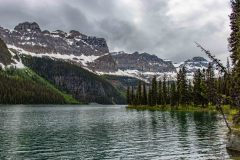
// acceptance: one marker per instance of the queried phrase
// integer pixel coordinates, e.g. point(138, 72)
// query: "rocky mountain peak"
point(74, 34)
point(27, 26)
point(194, 64)
point(46, 32)
point(59, 33)
point(198, 59)
point(136, 53)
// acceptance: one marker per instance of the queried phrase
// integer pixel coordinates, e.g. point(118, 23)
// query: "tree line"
point(205, 88)
point(198, 91)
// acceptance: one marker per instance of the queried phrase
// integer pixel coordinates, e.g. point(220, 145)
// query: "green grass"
point(31, 75)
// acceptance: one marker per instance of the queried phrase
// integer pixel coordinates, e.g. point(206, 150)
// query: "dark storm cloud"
point(165, 28)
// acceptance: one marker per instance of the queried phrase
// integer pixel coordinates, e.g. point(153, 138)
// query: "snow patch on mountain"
point(83, 59)
point(15, 64)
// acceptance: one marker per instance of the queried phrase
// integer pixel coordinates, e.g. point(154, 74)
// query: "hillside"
point(25, 87)
point(82, 84)
point(20, 85)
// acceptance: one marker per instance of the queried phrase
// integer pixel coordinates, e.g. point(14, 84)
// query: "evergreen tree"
point(234, 44)
point(190, 92)
point(132, 96)
point(144, 99)
point(139, 93)
point(164, 91)
point(150, 100)
point(179, 86)
point(160, 93)
point(154, 91)
point(197, 90)
point(210, 84)
point(234, 40)
point(173, 94)
point(182, 88)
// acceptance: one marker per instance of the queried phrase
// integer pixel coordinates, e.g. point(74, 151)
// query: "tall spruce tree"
point(154, 91)
point(150, 100)
point(183, 94)
point(139, 93)
point(197, 90)
point(160, 93)
point(173, 94)
point(210, 84)
point(164, 91)
point(132, 96)
point(178, 86)
point(144, 99)
point(190, 92)
point(234, 44)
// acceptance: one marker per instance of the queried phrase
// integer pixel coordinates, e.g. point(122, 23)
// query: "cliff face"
point(5, 55)
point(29, 37)
point(82, 84)
point(142, 62)
point(192, 65)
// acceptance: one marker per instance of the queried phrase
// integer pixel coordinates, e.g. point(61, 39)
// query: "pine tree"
point(197, 96)
point(190, 92)
point(132, 96)
point(234, 44)
point(179, 86)
point(160, 93)
point(182, 86)
point(210, 84)
point(204, 89)
point(164, 91)
point(144, 99)
point(154, 90)
point(173, 98)
point(234, 40)
point(150, 100)
point(139, 93)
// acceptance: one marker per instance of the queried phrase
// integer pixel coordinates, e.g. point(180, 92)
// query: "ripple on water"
point(108, 132)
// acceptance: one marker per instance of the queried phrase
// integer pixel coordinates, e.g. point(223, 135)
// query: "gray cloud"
point(165, 28)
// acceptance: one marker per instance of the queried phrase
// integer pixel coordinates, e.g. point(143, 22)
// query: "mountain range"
point(82, 65)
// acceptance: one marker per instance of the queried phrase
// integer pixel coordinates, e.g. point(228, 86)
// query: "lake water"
point(108, 132)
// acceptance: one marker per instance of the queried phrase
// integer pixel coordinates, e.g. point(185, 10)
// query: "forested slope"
point(25, 87)
point(82, 84)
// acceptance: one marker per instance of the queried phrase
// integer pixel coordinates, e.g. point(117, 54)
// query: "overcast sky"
point(167, 28)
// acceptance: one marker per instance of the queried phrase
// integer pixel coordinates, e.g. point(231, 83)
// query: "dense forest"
point(69, 77)
point(25, 87)
point(201, 91)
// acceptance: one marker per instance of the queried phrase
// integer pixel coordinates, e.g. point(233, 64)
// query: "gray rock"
point(29, 37)
point(233, 142)
point(27, 26)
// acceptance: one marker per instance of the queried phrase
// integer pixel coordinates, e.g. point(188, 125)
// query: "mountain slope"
point(5, 55)
point(22, 86)
point(82, 84)
point(91, 53)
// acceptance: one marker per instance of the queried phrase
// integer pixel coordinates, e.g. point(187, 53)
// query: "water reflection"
point(71, 132)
